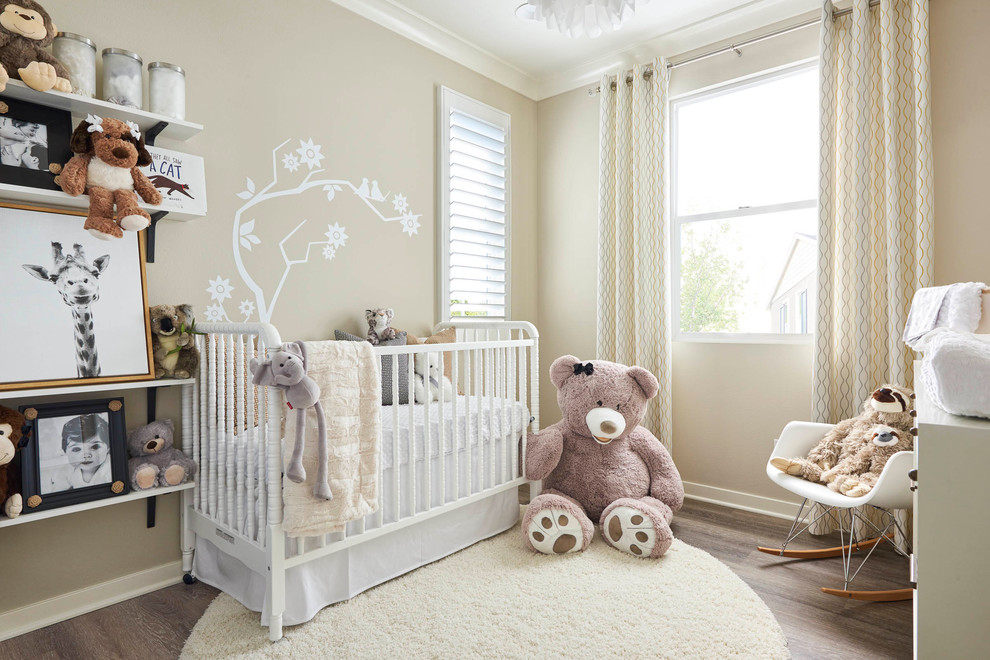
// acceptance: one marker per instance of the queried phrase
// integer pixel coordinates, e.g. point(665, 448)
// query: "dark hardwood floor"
point(816, 625)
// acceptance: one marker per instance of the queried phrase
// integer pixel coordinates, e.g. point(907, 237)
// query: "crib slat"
point(469, 485)
point(412, 439)
point(396, 463)
point(427, 437)
point(240, 428)
point(212, 485)
point(442, 432)
point(504, 434)
point(490, 367)
point(477, 435)
point(455, 380)
point(229, 447)
point(199, 395)
point(252, 462)
point(265, 408)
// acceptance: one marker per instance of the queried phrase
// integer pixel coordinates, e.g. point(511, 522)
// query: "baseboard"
point(738, 500)
point(46, 612)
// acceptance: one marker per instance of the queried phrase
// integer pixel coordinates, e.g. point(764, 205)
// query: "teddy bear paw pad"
point(555, 532)
point(631, 530)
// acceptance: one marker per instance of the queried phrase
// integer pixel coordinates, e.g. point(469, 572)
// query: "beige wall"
point(729, 400)
point(311, 70)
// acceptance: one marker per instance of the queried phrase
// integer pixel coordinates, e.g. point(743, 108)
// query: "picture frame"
point(76, 306)
point(34, 143)
point(76, 452)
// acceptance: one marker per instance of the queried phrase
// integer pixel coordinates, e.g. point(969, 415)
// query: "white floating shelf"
point(59, 199)
point(85, 506)
point(81, 106)
point(89, 389)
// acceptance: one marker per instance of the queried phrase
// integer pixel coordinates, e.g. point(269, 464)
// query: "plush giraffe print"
point(78, 282)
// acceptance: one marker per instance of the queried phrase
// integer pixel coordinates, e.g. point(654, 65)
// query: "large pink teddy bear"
point(599, 465)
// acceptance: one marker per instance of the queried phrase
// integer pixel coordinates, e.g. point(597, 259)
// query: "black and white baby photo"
point(23, 144)
point(74, 452)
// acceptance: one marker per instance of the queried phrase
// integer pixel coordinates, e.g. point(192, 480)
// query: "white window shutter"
point(475, 208)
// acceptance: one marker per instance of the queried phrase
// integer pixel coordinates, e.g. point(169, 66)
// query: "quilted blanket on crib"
point(351, 395)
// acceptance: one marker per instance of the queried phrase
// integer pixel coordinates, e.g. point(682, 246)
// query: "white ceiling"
point(487, 36)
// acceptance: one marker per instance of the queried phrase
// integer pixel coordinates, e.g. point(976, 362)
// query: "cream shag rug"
point(497, 599)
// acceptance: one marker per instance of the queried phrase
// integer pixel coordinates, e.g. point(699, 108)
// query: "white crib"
point(449, 471)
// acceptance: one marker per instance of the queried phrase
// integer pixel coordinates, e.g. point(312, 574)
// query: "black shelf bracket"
point(152, 393)
point(152, 508)
point(149, 139)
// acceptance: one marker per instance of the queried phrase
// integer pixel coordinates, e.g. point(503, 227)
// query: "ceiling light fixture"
point(578, 18)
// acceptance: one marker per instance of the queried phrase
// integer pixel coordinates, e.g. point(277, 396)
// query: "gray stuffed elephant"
point(286, 370)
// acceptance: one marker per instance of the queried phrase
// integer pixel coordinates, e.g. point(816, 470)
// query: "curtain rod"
point(734, 48)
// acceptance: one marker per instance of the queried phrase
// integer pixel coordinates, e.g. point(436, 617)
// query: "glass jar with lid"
point(78, 55)
point(122, 77)
point(167, 90)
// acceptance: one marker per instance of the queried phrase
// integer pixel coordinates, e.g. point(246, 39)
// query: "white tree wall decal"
point(335, 238)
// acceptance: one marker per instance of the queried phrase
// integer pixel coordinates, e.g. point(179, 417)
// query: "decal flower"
point(329, 252)
point(219, 289)
point(410, 224)
point(309, 153)
point(214, 313)
point(400, 203)
point(290, 162)
point(247, 309)
point(336, 236)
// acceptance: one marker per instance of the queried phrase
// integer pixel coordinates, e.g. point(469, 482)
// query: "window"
point(744, 193)
point(474, 208)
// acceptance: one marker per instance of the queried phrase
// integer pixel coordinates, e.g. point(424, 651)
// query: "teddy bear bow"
point(586, 368)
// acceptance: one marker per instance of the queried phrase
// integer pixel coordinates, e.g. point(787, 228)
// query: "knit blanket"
point(351, 394)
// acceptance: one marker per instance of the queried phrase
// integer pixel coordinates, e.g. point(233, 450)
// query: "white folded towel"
point(956, 371)
point(956, 306)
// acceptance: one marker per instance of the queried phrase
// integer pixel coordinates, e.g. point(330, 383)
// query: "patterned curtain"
point(633, 232)
point(875, 221)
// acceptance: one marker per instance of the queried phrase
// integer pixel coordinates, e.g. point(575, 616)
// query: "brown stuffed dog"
point(108, 155)
point(890, 405)
point(25, 29)
point(172, 342)
point(11, 441)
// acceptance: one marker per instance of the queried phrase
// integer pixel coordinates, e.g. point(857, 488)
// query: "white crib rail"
point(445, 452)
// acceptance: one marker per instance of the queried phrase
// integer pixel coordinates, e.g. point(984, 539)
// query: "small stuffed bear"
point(856, 474)
point(154, 461)
point(286, 370)
point(172, 344)
point(598, 465)
point(890, 405)
point(109, 153)
point(12, 440)
point(25, 30)
point(379, 328)
point(430, 379)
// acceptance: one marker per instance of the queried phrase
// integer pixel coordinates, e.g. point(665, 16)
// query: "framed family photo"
point(77, 453)
point(75, 306)
point(34, 143)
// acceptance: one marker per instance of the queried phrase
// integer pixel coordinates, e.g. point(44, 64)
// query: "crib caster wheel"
point(189, 579)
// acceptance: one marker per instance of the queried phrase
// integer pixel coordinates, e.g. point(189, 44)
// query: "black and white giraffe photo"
point(76, 305)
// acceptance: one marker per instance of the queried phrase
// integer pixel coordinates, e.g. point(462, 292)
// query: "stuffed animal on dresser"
point(286, 370)
point(599, 466)
point(154, 461)
point(109, 153)
point(430, 379)
point(379, 325)
point(12, 440)
point(890, 405)
point(172, 345)
point(25, 30)
point(856, 473)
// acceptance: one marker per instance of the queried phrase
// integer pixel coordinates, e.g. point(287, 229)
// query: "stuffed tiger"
point(378, 325)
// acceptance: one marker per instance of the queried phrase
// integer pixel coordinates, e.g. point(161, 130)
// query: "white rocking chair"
point(893, 490)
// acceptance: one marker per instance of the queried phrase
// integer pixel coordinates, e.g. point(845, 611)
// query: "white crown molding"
point(727, 25)
point(753, 15)
point(441, 40)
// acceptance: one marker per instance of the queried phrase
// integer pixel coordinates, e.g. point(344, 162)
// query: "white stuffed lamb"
point(430, 378)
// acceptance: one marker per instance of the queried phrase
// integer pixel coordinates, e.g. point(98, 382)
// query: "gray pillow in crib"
point(403, 366)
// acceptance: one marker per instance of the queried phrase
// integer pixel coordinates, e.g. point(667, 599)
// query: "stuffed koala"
point(154, 461)
point(430, 378)
point(856, 473)
point(12, 440)
point(172, 345)
point(890, 405)
point(379, 328)
point(598, 465)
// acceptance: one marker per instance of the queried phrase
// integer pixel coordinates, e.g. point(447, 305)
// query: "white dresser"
point(951, 533)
